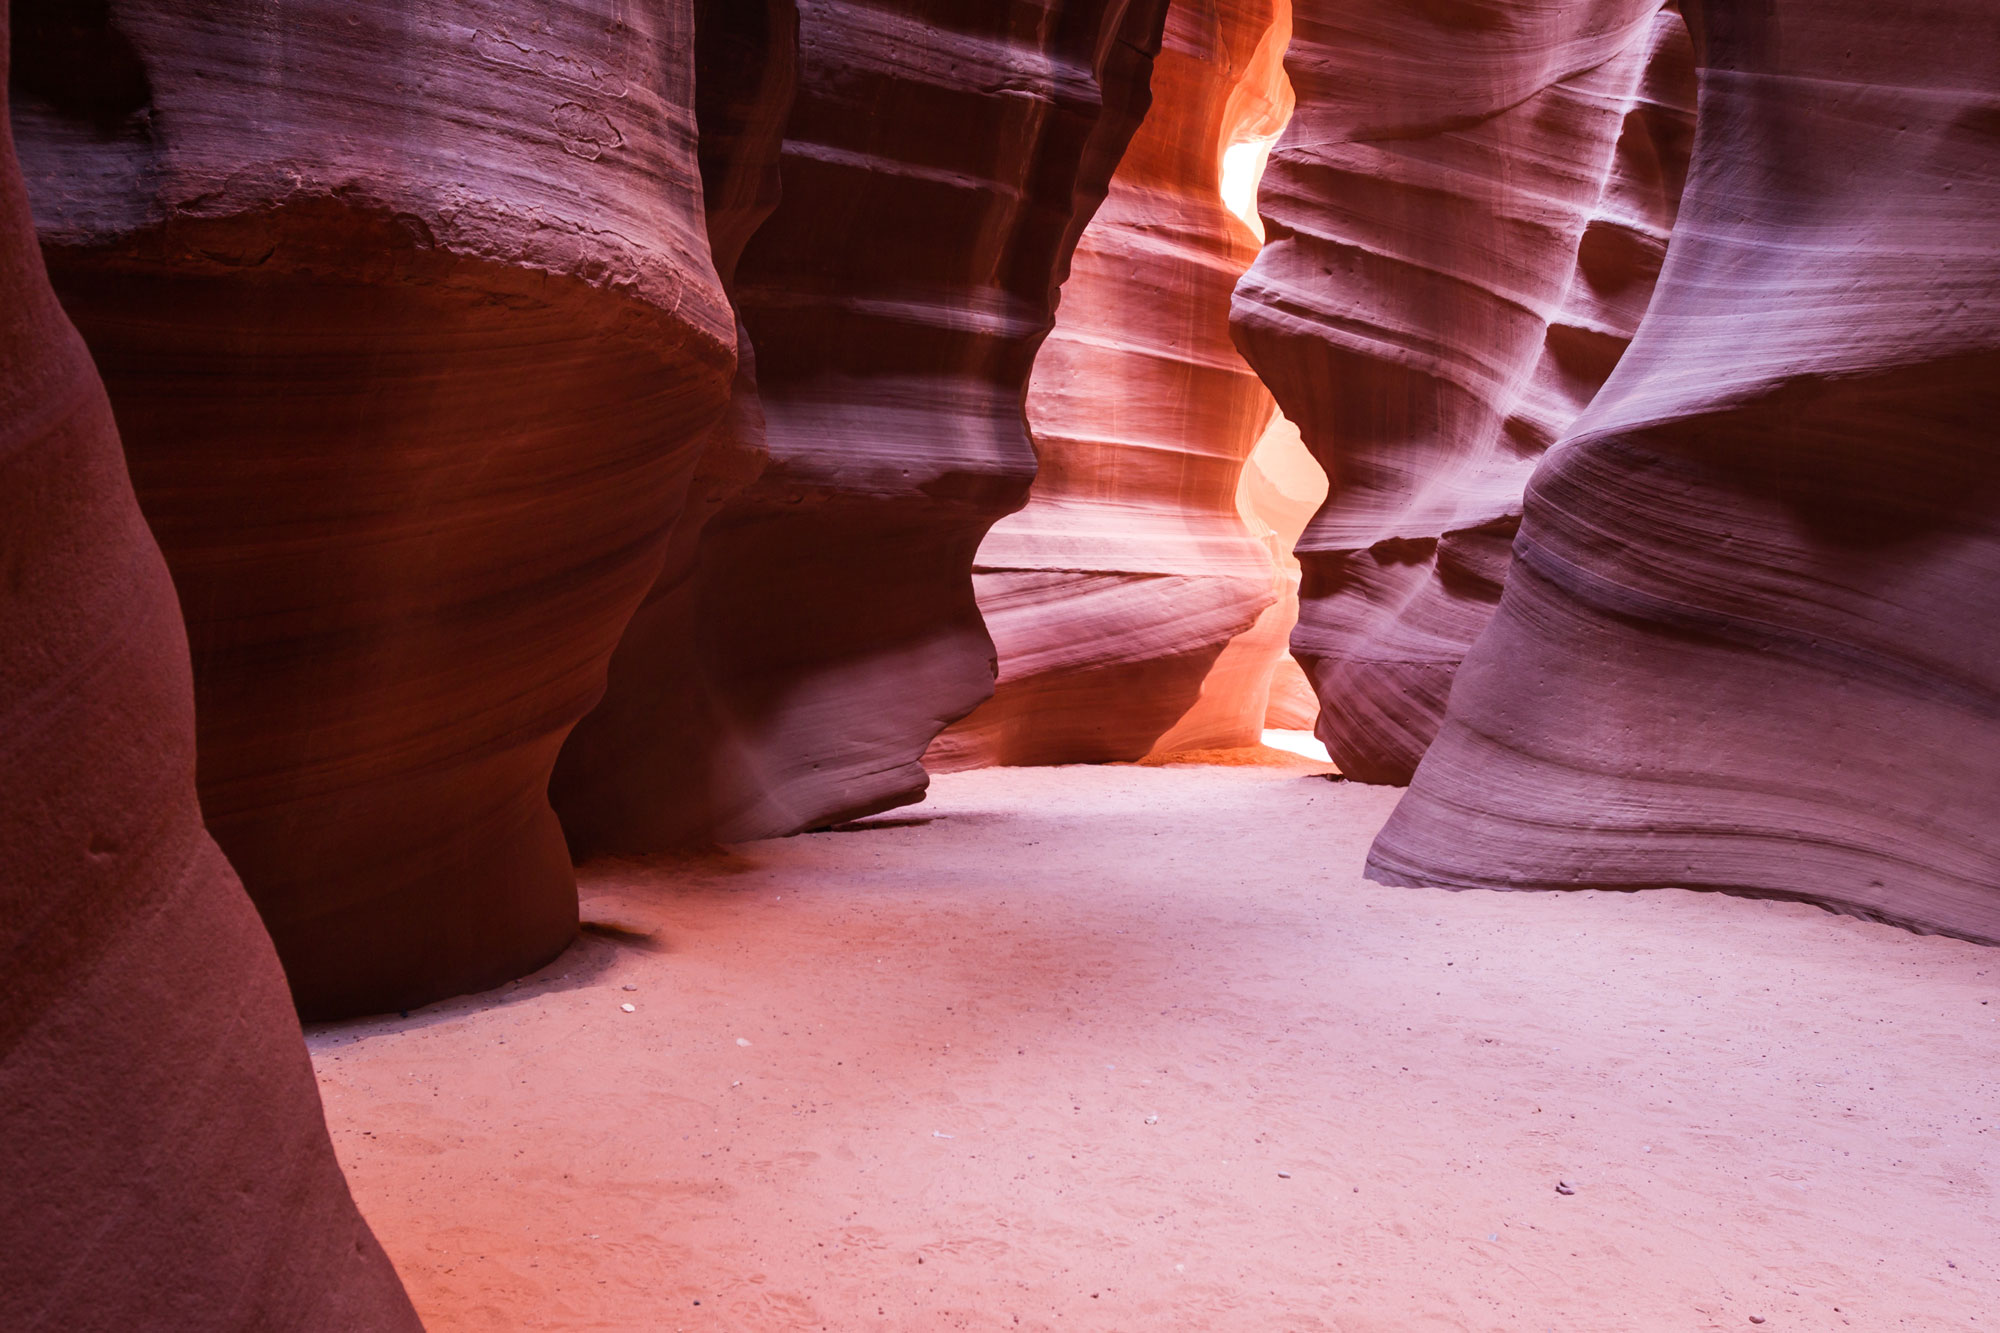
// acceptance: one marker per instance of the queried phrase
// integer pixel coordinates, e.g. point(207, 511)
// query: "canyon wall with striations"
point(1749, 642)
point(938, 165)
point(408, 316)
point(1466, 217)
point(643, 769)
point(1111, 595)
point(165, 1160)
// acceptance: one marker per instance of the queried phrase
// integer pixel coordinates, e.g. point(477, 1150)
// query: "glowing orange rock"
point(1114, 593)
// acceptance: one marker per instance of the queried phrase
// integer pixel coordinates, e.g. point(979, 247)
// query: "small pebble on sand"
point(629, 1008)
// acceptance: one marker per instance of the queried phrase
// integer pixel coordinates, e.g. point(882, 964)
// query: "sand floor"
point(1138, 1049)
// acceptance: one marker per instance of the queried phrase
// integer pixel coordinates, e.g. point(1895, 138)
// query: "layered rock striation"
point(643, 769)
point(165, 1158)
point(408, 316)
point(1749, 642)
point(1466, 217)
point(1111, 595)
point(936, 170)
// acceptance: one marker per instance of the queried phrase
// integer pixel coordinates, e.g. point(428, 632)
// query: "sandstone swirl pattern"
point(1111, 595)
point(1466, 215)
point(161, 1143)
point(939, 162)
point(408, 316)
point(1749, 641)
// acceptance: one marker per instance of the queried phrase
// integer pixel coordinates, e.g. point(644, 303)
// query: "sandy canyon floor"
point(1138, 1049)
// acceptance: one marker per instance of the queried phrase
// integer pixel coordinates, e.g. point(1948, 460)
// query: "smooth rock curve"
point(1749, 643)
point(1112, 594)
point(640, 771)
point(938, 166)
point(409, 319)
point(165, 1160)
point(1466, 216)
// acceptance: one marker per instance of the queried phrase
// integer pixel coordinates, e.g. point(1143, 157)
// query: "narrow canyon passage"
point(634, 642)
point(1118, 1048)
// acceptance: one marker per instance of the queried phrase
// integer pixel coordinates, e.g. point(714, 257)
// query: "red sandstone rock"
point(161, 1143)
point(939, 163)
point(1111, 595)
point(1750, 638)
point(638, 772)
point(1467, 214)
point(409, 319)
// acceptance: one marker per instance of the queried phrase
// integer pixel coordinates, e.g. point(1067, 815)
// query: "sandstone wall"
point(1111, 595)
point(643, 769)
point(408, 316)
point(165, 1160)
point(1466, 216)
point(1749, 642)
point(938, 164)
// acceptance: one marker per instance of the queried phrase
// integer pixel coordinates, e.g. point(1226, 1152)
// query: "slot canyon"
point(1279, 666)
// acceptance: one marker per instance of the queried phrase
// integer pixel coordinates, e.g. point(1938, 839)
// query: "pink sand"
point(1137, 1049)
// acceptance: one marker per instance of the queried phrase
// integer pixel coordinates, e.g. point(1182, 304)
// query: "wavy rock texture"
point(165, 1159)
point(638, 773)
point(1467, 214)
point(938, 167)
point(1749, 641)
point(409, 320)
point(1111, 595)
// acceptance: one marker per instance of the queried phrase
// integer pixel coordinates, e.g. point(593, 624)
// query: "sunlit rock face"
point(939, 163)
point(1111, 595)
point(407, 313)
point(1466, 218)
point(1256, 683)
point(165, 1159)
point(1748, 642)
